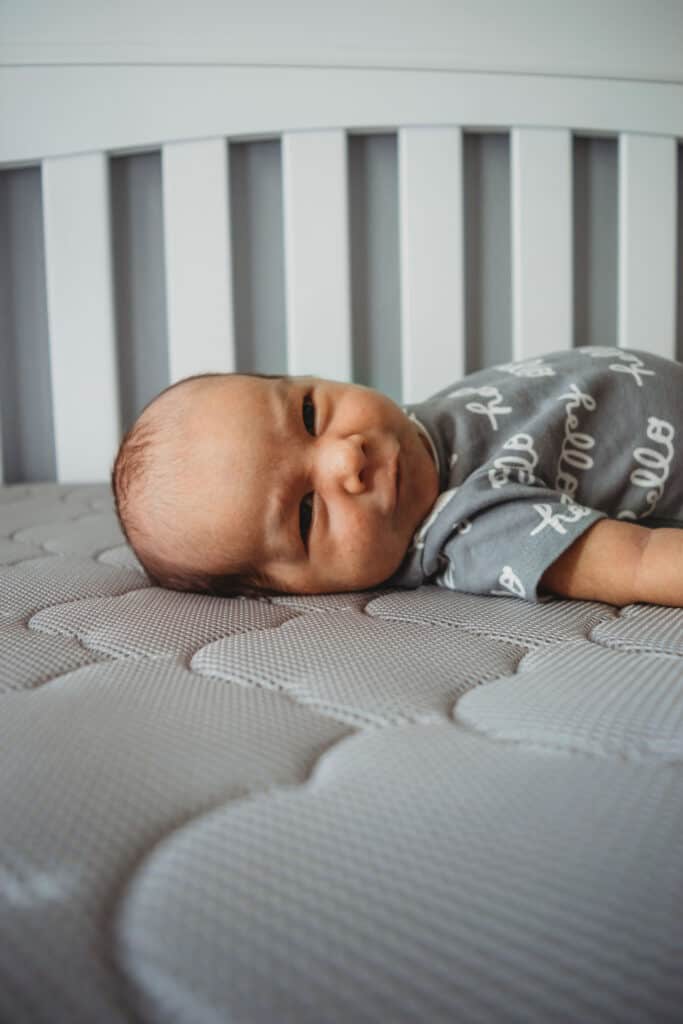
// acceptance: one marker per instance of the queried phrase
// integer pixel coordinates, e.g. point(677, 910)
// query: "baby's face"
point(318, 484)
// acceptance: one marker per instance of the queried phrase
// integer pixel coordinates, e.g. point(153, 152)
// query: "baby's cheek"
point(374, 551)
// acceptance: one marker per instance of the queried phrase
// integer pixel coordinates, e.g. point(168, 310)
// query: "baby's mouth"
point(388, 482)
point(395, 478)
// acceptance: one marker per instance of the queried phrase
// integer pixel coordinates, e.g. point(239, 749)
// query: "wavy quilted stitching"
point(95, 769)
point(121, 556)
point(503, 617)
point(84, 536)
point(579, 696)
point(324, 602)
point(27, 659)
point(29, 586)
point(19, 515)
point(154, 622)
point(13, 492)
point(644, 628)
point(13, 551)
point(427, 871)
point(91, 493)
point(49, 492)
point(251, 846)
point(360, 669)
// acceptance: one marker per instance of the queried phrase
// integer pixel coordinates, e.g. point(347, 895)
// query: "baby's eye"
point(305, 517)
point(308, 413)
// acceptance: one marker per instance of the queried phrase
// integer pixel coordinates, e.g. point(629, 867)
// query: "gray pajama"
point(532, 453)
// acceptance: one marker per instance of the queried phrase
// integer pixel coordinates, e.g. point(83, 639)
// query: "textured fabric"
point(385, 806)
point(533, 453)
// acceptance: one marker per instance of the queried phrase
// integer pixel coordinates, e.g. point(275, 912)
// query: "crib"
point(72, 122)
point(377, 806)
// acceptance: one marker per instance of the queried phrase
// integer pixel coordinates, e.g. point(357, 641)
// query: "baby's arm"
point(621, 563)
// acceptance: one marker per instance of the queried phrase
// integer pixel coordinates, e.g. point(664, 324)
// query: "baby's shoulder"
point(583, 363)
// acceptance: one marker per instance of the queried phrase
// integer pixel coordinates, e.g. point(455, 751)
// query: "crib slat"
point(316, 236)
point(432, 259)
point(80, 315)
point(198, 257)
point(647, 243)
point(542, 285)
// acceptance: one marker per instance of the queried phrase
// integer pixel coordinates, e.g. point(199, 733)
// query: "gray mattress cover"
point(389, 806)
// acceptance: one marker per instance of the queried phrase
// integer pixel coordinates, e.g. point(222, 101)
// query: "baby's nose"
point(347, 462)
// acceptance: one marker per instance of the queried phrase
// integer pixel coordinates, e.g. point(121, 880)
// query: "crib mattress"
point(385, 806)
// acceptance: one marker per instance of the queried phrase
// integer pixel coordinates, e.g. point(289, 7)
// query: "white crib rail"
point(647, 243)
point(432, 249)
point(80, 306)
point(316, 238)
point(198, 233)
point(541, 170)
point(197, 258)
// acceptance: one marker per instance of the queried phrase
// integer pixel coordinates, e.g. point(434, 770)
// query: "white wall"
point(634, 39)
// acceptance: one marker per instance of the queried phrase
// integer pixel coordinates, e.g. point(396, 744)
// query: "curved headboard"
point(72, 121)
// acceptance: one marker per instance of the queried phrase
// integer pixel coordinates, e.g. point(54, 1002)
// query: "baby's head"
point(230, 483)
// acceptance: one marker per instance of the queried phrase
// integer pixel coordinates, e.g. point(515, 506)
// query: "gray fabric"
point(385, 806)
point(533, 453)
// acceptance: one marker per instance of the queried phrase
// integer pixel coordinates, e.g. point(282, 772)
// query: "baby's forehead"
point(192, 389)
point(216, 411)
point(171, 407)
point(196, 389)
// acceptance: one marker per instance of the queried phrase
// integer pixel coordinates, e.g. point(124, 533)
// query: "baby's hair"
point(132, 467)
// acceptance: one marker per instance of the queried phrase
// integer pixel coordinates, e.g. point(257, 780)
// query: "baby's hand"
point(621, 563)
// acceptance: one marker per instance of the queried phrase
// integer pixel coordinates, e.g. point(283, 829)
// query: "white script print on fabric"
point(575, 444)
point(520, 466)
point(548, 457)
point(418, 540)
point(630, 363)
point(511, 582)
point(654, 466)
point(492, 409)
point(529, 368)
point(556, 519)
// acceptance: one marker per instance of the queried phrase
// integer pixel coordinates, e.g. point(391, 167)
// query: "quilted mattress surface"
point(386, 806)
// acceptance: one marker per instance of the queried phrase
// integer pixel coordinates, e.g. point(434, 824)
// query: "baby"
point(526, 479)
